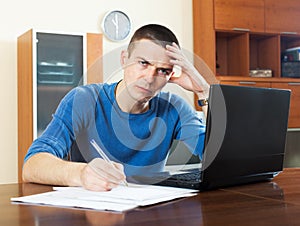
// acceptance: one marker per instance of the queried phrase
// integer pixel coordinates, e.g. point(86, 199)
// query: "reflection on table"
point(266, 203)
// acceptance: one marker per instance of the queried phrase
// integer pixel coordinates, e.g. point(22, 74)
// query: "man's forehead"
point(151, 52)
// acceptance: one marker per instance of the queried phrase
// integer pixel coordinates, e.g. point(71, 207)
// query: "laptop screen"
point(246, 134)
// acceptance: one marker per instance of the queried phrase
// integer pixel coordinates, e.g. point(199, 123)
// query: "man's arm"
point(98, 175)
point(191, 79)
point(45, 168)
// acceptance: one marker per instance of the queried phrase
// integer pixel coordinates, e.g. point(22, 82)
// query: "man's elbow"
point(25, 173)
point(30, 168)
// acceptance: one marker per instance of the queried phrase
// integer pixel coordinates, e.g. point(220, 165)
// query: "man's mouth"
point(144, 90)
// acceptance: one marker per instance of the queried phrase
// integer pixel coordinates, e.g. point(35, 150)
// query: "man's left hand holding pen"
point(99, 175)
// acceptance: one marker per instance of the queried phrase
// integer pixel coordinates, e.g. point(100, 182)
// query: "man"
point(132, 120)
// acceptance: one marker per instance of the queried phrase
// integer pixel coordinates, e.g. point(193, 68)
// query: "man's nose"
point(150, 74)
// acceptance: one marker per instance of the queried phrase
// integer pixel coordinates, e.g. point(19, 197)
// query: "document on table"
point(118, 199)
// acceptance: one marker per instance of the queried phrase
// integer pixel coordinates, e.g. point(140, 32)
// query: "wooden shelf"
point(229, 47)
point(235, 36)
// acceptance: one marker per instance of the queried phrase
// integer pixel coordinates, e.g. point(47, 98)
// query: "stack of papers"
point(118, 199)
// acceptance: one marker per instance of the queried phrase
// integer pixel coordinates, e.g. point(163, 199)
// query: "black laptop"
point(245, 139)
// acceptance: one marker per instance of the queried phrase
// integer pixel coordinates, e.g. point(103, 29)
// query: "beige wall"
point(75, 16)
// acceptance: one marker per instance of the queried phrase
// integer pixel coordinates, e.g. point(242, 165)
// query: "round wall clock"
point(116, 25)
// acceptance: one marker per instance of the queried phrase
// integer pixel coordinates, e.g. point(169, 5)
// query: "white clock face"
point(116, 25)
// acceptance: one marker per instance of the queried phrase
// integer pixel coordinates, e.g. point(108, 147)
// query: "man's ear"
point(124, 58)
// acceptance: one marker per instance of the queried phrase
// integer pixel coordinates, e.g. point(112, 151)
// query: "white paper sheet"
point(118, 199)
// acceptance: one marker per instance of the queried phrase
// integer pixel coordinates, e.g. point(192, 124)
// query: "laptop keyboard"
point(190, 179)
point(190, 176)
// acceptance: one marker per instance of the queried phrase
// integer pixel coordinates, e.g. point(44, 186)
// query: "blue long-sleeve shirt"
point(141, 142)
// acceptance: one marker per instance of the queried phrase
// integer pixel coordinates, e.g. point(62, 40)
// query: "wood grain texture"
point(267, 203)
point(25, 100)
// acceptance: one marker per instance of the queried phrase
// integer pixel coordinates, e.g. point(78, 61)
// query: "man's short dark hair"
point(156, 33)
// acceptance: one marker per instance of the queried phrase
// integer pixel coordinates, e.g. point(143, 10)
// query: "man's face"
point(146, 70)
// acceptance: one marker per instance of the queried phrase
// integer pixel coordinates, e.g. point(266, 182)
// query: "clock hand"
point(116, 23)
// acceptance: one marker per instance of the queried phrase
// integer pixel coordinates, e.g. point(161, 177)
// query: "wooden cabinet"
point(273, 16)
point(46, 73)
point(294, 115)
point(235, 36)
point(229, 51)
point(282, 16)
point(244, 81)
point(238, 15)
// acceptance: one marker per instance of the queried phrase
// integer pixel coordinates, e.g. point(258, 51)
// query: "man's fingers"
point(91, 180)
point(110, 172)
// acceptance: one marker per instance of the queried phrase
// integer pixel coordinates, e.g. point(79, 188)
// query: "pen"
point(103, 155)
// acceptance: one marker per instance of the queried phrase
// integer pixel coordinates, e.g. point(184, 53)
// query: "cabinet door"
point(294, 116)
point(282, 16)
point(245, 15)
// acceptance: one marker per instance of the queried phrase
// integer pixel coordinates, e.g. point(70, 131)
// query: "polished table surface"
point(266, 203)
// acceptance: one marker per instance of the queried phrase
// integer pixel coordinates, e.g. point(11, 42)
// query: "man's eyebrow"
point(148, 62)
point(143, 59)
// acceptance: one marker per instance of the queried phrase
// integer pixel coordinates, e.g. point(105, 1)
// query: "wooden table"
point(266, 203)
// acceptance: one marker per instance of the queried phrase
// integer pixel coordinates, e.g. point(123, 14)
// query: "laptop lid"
point(245, 135)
